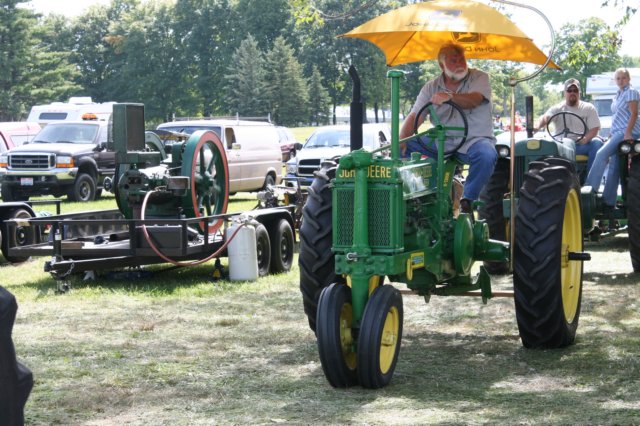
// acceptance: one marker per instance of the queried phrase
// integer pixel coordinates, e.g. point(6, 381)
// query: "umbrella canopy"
point(416, 32)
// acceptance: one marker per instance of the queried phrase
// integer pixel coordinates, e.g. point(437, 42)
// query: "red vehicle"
point(16, 133)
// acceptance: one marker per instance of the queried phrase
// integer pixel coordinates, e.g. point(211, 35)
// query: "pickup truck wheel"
point(633, 212)
point(547, 284)
point(316, 261)
point(9, 194)
point(84, 188)
point(17, 236)
point(491, 210)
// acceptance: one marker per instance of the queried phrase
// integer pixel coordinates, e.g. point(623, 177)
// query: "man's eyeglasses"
point(573, 91)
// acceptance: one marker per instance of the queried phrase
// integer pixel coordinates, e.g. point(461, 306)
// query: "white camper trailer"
point(602, 89)
point(78, 108)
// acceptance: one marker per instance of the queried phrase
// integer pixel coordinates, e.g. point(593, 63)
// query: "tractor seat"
point(582, 158)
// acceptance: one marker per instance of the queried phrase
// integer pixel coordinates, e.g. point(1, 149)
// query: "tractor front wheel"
point(380, 337)
point(335, 339)
point(547, 282)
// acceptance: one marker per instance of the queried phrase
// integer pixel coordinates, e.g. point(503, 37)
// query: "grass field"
point(177, 348)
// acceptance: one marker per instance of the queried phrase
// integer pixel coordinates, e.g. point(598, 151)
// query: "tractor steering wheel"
point(463, 131)
point(566, 131)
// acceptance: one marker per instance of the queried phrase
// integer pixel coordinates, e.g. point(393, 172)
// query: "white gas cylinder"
point(242, 252)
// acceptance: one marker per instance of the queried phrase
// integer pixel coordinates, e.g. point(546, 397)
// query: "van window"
point(53, 116)
point(230, 136)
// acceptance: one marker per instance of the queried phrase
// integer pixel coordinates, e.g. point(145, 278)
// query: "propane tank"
point(242, 252)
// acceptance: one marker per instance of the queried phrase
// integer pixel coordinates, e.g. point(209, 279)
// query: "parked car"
point(68, 157)
point(328, 143)
point(16, 133)
point(287, 143)
point(252, 148)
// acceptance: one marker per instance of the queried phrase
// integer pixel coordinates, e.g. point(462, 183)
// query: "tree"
point(586, 48)
point(318, 99)
point(16, 59)
point(247, 87)
point(288, 94)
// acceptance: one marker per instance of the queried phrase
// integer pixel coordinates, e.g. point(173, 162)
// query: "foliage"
point(586, 48)
point(247, 86)
point(287, 90)
point(318, 99)
point(16, 59)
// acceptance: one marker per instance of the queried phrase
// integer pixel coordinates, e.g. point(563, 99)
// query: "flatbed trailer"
point(105, 240)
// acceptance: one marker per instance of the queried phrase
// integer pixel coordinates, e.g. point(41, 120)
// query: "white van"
point(78, 108)
point(252, 148)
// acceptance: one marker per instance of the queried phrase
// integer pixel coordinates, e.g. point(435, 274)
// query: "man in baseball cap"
point(589, 144)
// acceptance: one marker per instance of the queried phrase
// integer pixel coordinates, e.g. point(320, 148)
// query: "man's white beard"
point(456, 76)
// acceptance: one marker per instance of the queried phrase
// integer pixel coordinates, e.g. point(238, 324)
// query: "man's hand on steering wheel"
point(460, 132)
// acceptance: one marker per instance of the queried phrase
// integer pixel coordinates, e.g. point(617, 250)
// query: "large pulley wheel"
point(380, 337)
point(205, 162)
point(633, 212)
point(335, 338)
point(547, 280)
point(316, 261)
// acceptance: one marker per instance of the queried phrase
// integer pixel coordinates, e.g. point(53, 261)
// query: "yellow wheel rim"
point(389, 339)
point(571, 271)
point(346, 338)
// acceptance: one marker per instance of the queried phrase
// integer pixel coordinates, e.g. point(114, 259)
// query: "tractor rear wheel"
point(491, 211)
point(380, 337)
point(633, 212)
point(335, 339)
point(547, 285)
point(316, 261)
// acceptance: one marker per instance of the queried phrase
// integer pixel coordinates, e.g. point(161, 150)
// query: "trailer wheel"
point(263, 247)
point(547, 285)
point(83, 189)
point(17, 236)
point(491, 210)
point(335, 338)
point(633, 212)
point(282, 247)
point(380, 337)
point(316, 261)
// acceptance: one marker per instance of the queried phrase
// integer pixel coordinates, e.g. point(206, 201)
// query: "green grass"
point(302, 133)
point(179, 348)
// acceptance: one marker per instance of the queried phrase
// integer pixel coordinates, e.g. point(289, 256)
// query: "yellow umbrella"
point(415, 33)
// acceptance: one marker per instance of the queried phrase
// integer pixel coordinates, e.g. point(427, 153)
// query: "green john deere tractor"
point(375, 216)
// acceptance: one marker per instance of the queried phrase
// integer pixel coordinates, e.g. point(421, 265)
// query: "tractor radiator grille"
point(378, 213)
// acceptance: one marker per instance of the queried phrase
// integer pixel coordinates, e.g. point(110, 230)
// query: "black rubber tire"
point(316, 261)
point(18, 236)
point(282, 247)
point(633, 212)
point(380, 337)
point(9, 194)
point(335, 339)
point(548, 299)
point(263, 248)
point(83, 189)
point(491, 211)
